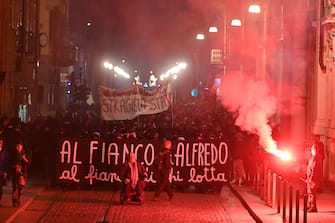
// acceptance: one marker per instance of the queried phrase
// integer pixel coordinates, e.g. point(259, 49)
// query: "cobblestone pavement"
point(57, 206)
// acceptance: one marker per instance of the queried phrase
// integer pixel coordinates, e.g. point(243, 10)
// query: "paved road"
point(84, 206)
point(55, 205)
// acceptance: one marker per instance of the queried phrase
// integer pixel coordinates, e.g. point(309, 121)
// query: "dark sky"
point(149, 33)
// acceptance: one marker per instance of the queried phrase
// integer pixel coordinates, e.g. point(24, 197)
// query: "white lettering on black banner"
point(97, 162)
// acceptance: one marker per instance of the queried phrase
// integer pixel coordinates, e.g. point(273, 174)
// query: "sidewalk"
point(33, 188)
point(256, 207)
point(93, 206)
point(261, 212)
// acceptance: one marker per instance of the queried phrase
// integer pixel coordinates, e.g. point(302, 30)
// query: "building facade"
point(294, 52)
point(35, 56)
point(323, 106)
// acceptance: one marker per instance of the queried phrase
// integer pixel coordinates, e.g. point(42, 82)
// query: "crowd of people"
point(37, 141)
point(39, 137)
point(195, 121)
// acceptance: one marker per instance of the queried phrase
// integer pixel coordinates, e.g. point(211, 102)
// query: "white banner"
point(128, 103)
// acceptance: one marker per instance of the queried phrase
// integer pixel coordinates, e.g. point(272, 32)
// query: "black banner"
point(90, 162)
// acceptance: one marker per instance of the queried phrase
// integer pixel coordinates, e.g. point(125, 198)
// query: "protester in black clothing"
point(19, 173)
point(133, 175)
point(11, 136)
point(251, 158)
point(238, 154)
point(313, 178)
point(3, 166)
point(163, 168)
point(320, 148)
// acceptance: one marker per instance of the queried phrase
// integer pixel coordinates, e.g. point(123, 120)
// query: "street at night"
point(167, 111)
point(103, 206)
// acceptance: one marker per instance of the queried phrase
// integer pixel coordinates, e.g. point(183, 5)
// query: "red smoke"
point(253, 104)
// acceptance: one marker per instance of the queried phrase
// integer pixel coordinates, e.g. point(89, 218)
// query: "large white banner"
point(123, 104)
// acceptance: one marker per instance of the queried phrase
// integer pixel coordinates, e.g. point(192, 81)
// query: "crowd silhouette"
point(204, 120)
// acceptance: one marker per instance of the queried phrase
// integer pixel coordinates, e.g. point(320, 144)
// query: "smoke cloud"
point(252, 103)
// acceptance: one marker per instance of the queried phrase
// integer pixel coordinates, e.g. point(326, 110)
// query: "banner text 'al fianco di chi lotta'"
point(89, 162)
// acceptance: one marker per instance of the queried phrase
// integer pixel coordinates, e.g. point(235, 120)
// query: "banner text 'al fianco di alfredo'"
point(89, 162)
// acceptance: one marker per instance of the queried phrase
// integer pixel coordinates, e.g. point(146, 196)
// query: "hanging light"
point(213, 29)
point(236, 22)
point(254, 9)
point(200, 36)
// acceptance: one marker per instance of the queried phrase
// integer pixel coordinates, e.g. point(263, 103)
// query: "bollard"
point(256, 181)
point(268, 194)
point(290, 204)
point(284, 200)
point(297, 198)
point(305, 208)
point(274, 190)
point(278, 194)
point(265, 181)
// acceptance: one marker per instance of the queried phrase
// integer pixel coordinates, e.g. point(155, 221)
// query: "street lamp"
point(173, 71)
point(235, 45)
point(121, 72)
point(213, 29)
point(207, 56)
point(200, 36)
point(248, 37)
point(116, 69)
point(236, 22)
point(261, 60)
point(108, 65)
point(254, 9)
point(87, 54)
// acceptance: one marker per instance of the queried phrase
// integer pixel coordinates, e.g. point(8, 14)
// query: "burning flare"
point(253, 104)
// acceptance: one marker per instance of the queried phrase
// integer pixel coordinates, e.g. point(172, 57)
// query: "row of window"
point(23, 19)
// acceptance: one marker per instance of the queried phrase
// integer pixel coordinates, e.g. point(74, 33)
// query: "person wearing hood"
point(133, 175)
